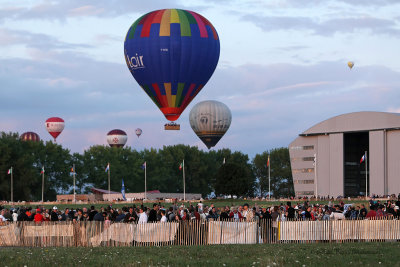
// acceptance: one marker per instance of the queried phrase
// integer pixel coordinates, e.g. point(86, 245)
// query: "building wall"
point(393, 162)
point(302, 151)
point(323, 171)
point(70, 197)
point(376, 162)
point(336, 165)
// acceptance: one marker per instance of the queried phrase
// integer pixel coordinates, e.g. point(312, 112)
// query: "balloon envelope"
point(138, 132)
point(116, 138)
point(350, 64)
point(55, 126)
point(210, 120)
point(30, 136)
point(172, 53)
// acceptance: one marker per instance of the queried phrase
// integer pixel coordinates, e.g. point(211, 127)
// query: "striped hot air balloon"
point(117, 138)
point(30, 136)
point(55, 126)
point(172, 53)
point(210, 120)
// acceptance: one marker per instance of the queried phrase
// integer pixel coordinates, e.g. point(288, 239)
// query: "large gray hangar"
point(326, 159)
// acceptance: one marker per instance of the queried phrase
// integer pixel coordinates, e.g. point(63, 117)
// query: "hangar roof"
point(356, 122)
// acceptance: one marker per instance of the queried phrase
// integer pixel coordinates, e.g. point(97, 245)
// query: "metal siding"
point(302, 141)
point(336, 182)
point(393, 159)
point(323, 157)
point(376, 163)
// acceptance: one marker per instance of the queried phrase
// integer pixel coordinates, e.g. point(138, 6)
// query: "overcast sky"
point(282, 68)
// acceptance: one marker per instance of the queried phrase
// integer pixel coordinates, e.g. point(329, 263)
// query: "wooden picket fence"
point(191, 233)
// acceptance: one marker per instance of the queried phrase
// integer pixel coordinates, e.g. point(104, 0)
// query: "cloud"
point(31, 40)
point(62, 10)
point(325, 28)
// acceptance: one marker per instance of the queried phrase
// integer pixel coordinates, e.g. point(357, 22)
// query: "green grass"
point(347, 254)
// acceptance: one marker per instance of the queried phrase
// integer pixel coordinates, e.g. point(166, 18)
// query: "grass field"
point(217, 203)
point(346, 254)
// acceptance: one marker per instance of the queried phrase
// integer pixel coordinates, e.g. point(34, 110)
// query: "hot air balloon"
point(172, 53)
point(138, 132)
point(30, 136)
point(350, 64)
point(116, 138)
point(210, 120)
point(55, 126)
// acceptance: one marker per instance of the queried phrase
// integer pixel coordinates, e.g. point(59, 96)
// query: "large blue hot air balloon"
point(172, 53)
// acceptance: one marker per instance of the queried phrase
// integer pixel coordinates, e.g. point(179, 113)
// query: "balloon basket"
point(172, 126)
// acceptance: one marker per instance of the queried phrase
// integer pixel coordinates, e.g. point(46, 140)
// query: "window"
point(302, 147)
point(303, 181)
point(305, 170)
point(302, 193)
point(303, 159)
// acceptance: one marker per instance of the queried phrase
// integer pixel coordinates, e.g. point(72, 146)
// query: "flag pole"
point(109, 182)
point(12, 186)
point(269, 178)
point(184, 186)
point(42, 184)
point(366, 175)
point(73, 174)
point(145, 180)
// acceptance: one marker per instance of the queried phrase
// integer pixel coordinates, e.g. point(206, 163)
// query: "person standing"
point(142, 216)
point(54, 214)
point(153, 214)
point(163, 217)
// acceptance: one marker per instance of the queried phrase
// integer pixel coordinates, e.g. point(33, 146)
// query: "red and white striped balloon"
point(55, 126)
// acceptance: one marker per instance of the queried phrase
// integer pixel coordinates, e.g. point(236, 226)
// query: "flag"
point(9, 171)
point(144, 165)
point(108, 167)
point(42, 171)
point(123, 190)
point(72, 171)
point(180, 166)
point(223, 161)
point(362, 159)
point(268, 162)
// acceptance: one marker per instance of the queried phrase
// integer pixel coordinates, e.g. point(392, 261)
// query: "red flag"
point(268, 162)
point(180, 167)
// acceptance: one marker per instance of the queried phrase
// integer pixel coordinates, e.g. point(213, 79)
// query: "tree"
point(281, 174)
point(234, 179)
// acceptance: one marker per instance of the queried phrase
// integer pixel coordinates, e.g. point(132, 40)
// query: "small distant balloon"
point(30, 136)
point(55, 126)
point(117, 138)
point(138, 132)
point(350, 64)
point(210, 120)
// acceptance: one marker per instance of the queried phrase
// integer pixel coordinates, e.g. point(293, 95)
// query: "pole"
point(12, 185)
point(366, 175)
point(73, 174)
point(109, 189)
point(42, 184)
point(315, 176)
point(145, 180)
point(184, 186)
point(269, 178)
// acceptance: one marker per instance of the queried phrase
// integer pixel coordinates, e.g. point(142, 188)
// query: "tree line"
point(222, 172)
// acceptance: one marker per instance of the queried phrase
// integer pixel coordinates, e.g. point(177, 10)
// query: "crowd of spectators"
point(198, 211)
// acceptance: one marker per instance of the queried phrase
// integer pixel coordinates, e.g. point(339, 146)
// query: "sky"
point(282, 69)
